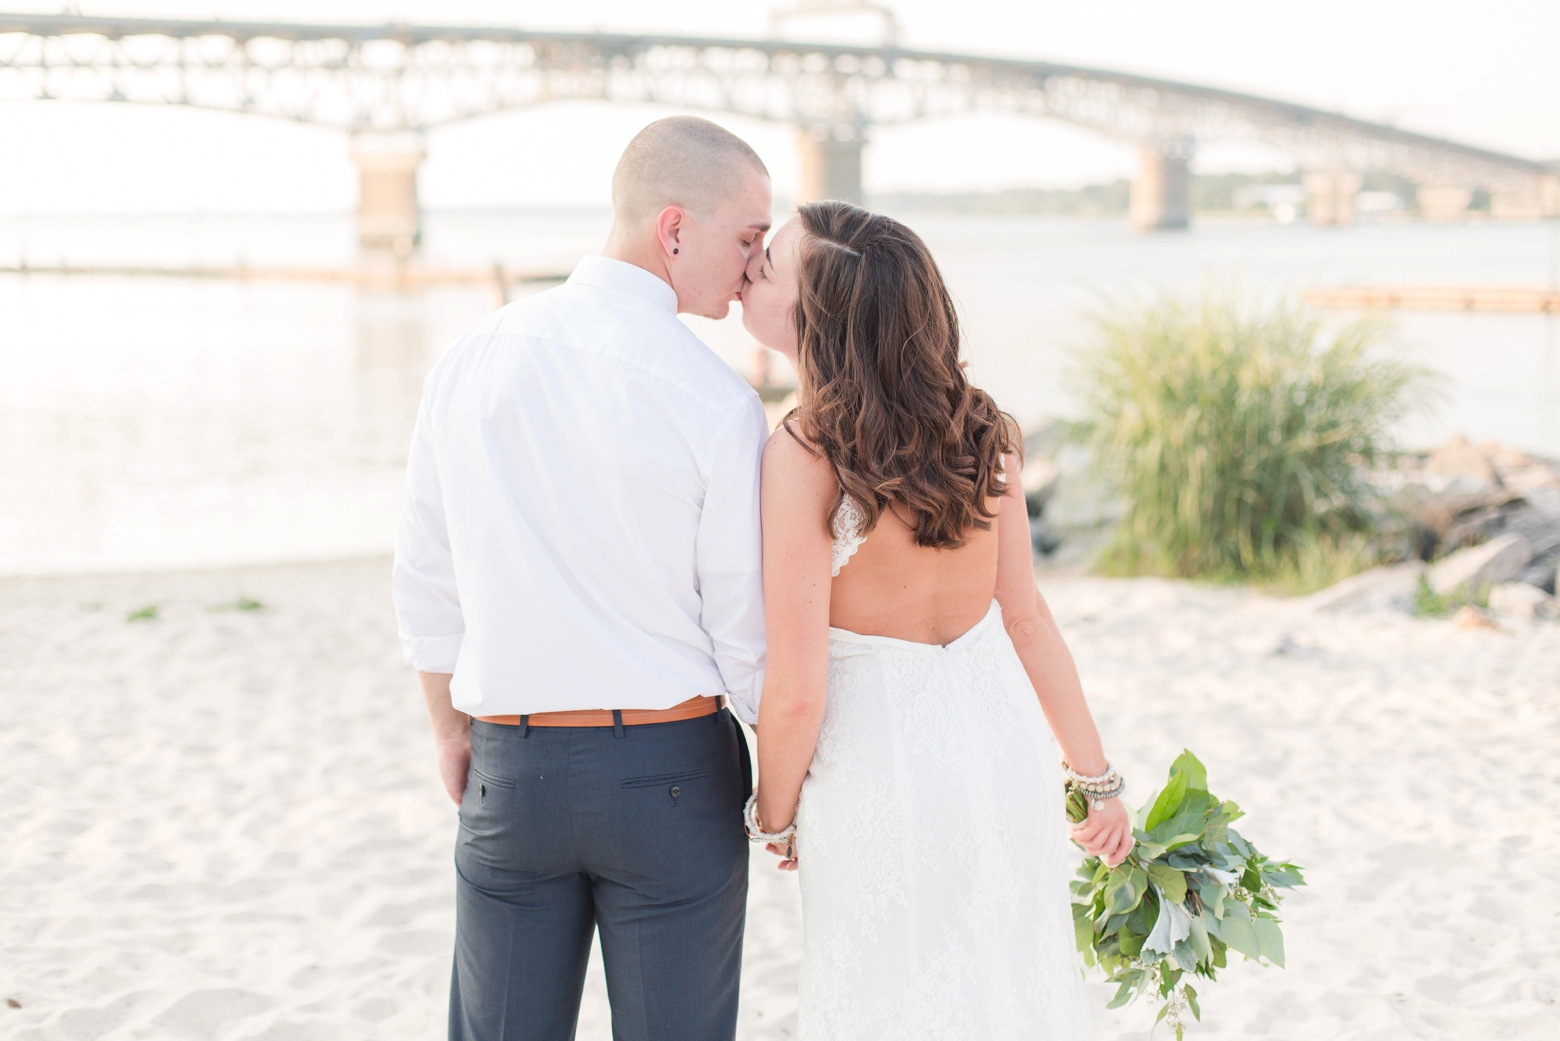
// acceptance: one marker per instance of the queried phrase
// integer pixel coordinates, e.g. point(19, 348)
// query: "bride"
point(905, 762)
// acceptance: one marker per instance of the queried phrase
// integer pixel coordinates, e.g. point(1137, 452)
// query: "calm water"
point(162, 422)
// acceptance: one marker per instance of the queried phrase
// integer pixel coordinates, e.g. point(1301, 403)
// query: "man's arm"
point(427, 602)
point(451, 733)
point(729, 558)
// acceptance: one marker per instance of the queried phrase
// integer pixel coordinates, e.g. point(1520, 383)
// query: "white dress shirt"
point(581, 526)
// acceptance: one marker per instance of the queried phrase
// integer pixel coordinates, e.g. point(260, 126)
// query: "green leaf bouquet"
point(1190, 891)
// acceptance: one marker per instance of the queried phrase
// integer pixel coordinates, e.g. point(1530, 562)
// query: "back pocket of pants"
point(659, 779)
point(497, 782)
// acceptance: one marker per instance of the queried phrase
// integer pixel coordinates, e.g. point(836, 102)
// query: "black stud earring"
point(674, 249)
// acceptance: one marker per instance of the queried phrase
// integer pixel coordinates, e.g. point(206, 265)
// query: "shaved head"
point(681, 161)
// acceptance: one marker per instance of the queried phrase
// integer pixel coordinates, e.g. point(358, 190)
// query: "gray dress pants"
point(635, 831)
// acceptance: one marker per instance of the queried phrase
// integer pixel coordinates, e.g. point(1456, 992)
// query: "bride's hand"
point(1106, 832)
point(788, 857)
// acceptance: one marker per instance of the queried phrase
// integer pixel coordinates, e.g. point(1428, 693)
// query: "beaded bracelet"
point(755, 831)
point(1107, 785)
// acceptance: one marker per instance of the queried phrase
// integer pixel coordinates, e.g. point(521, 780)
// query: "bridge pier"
point(389, 220)
point(1444, 203)
point(830, 167)
point(1162, 191)
point(1329, 197)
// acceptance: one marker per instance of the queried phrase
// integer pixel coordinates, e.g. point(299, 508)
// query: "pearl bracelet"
point(755, 831)
point(1077, 778)
point(1107, 785)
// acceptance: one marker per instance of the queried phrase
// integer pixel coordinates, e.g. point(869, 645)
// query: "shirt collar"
point(617, 276)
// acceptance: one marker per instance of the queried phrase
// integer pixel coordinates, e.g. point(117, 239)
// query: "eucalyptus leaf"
point(1189, 765)
point(1123, 995)
point(1212, 895)
point(1141, 820)
point(1173, 926)
point(1185, 955)
point(1171, 882)
point(1150, 916)
point(1185, 825)
point(1282, 876)
point(1235, 930)
point(1270, 939)
point(1168, 803)
point(1199, 938)
point(1083, 934)
point(1228, 878)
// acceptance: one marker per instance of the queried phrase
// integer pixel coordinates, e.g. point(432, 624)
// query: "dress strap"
point(848, 522)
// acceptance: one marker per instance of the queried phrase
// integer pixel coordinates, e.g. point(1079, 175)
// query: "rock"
point(1471, 617)
point(1038, 479)
point(1540, 577)
point(1041, 540)
point(1481, 525)
point(1545, 500)
point(1469, 572)
point(1541, 531)
point(1520, 600)
point(1457, 458)
point(1502, 457)
point(1434, 501)
point(1474, 528)
point(1392, 587)
point(1080, 498)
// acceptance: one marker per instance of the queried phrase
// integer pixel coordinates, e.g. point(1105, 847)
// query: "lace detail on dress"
point(847, 533)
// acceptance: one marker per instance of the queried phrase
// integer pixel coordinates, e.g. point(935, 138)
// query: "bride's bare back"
point(892, 587)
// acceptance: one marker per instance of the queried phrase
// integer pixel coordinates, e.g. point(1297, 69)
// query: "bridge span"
point(387, 85)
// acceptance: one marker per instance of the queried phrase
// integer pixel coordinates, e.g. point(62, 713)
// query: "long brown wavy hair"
point(883, 393)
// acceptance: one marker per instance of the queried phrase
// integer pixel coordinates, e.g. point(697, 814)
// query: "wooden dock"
point(369, 276)
point(1519, 299)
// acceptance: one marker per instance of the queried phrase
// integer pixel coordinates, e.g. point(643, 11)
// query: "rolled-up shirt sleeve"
point(427, 601)
point(729, 557)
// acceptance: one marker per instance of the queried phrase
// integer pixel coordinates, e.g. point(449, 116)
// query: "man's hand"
point(451, 733)
point(453, 755)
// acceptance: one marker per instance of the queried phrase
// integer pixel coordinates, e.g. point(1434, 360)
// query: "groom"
point(577, 584)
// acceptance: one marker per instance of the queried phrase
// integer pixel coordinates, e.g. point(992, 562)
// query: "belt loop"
point(617, 722)
point(525, 725)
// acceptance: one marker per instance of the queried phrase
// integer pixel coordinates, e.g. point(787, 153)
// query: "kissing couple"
point(606, 560)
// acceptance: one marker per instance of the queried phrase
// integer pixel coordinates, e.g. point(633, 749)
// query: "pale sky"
point(1488, 74)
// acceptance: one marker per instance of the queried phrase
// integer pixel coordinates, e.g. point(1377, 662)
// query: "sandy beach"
point(223, 822)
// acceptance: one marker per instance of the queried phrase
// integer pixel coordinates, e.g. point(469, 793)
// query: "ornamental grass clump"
point(1239, 437)
point(1191, 890)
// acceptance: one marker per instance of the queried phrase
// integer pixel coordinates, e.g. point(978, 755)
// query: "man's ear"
point(669, 227)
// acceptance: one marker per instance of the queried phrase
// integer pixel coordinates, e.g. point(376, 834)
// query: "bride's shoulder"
point(790, 445)
point(795, 465)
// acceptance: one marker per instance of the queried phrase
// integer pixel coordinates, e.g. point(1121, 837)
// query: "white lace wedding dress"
point(931, 836)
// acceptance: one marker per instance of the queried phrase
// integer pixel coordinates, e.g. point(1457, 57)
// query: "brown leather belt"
point(693, 708)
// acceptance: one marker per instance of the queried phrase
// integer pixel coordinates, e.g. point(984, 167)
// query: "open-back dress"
point(931, 836)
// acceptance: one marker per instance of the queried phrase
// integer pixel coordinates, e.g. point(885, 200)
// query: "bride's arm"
point(798, 492)
point(1107, 832)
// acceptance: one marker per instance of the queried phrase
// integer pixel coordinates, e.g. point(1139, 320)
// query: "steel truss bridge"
point(386, 85)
